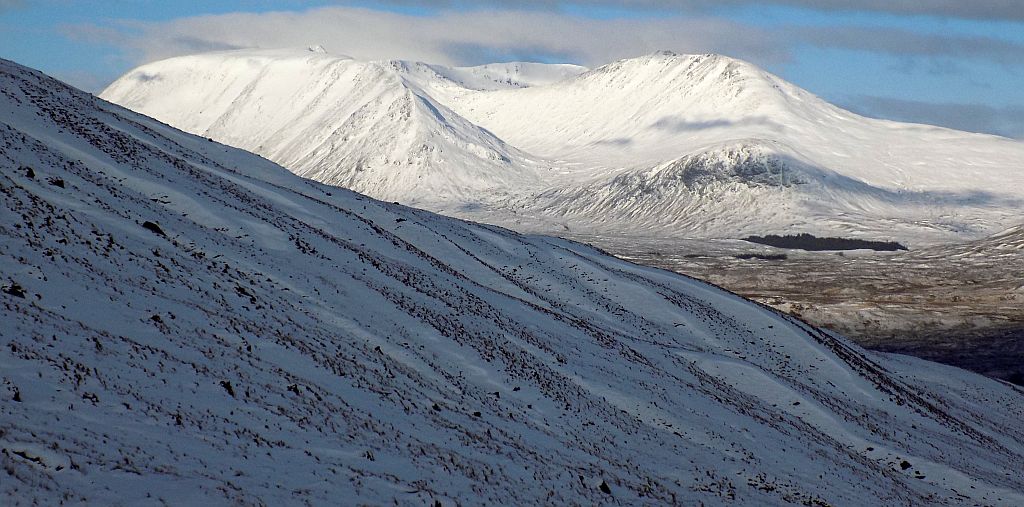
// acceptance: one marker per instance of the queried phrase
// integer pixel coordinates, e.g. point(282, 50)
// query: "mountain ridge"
point(524, 142)
point(382, 121)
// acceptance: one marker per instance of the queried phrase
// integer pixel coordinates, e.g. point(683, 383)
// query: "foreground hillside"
point(661, 145)
point(187, 323)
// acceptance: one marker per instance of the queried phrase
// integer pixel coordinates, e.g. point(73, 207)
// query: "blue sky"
point(959, 64)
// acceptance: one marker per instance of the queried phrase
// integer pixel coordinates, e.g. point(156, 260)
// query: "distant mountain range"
point(660, 145)
point(185, 323)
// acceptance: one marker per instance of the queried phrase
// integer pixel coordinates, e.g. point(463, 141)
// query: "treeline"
point(764, 257)
point(806, 241)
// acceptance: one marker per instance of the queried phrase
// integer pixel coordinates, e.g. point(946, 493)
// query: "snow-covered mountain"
point(187, 323)
point(361, 125)
point(663, 144)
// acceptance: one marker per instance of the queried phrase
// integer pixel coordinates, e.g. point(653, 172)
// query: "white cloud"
point(482, 36)
point(448, 37)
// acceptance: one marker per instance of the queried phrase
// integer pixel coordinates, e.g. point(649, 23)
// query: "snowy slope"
point(857, 175)
point(187, 323)
point(355, 124)
point(1006, 245)
point(597, 150)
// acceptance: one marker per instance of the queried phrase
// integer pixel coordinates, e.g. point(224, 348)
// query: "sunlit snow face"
point(661, 144)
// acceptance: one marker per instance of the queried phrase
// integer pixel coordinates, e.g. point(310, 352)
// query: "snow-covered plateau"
point(663, 145)
point(182, 322)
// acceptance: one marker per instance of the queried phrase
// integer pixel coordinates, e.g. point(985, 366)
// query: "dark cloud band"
point(1005, 121)
point(999, 10)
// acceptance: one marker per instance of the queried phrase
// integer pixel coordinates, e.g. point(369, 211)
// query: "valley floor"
point(942, 304)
